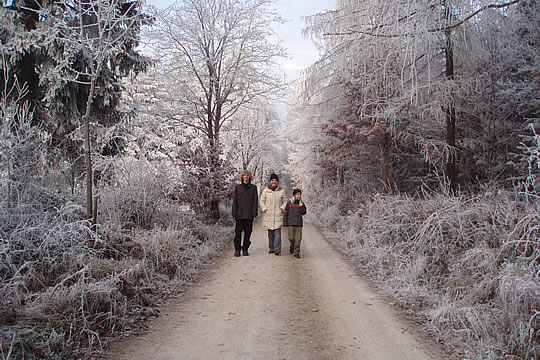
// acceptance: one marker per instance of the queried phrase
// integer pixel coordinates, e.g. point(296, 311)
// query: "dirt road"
point(264, 306)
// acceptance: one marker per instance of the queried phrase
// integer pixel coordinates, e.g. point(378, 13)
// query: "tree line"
point(406, 90)
point(88, 72)
point(417, 129)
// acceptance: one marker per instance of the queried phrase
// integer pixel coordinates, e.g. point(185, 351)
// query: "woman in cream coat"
point(273, 203)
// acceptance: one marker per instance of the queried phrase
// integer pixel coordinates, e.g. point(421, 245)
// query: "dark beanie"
point(274, 176)
point(296, 191)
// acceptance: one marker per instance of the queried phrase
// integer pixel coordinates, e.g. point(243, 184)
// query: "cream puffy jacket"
point(272, 205)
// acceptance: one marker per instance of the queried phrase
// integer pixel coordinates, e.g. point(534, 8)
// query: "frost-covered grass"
point(63, 298)
point(468, 265)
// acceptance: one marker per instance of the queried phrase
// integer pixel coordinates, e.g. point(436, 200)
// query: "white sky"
point(302, 51)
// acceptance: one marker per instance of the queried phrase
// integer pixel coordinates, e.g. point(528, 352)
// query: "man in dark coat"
point(245, 208)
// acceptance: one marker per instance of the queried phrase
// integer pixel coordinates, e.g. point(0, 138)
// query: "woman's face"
point(245, 177)
point(297, 196)
point(274, 182)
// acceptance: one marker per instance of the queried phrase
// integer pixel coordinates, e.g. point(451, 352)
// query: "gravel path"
point(264, 306)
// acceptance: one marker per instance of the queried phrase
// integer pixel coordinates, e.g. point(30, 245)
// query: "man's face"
point(274, 182)
point(245, 177)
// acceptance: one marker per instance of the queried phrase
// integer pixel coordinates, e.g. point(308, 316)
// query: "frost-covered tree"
point(71, 55)
point(403, 64)
point(155, 133)
point(303, 134)
point(97, 32)
point(37, 53)
point(220, 56)
point(21, 143)
point(253, 139)
point(498, 105)
point(152, 130)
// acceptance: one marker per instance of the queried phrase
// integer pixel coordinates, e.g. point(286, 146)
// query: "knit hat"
point(296, 191)
point(274, 176)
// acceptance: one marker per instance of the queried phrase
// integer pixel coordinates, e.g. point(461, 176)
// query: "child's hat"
point(296, 191)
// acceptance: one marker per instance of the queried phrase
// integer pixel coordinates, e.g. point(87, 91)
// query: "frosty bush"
point(138, 190)
point(468, 264)
point(62, 298)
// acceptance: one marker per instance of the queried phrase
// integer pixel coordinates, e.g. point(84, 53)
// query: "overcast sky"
point(302, 51)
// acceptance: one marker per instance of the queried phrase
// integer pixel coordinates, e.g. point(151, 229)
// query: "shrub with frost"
point(467, 264)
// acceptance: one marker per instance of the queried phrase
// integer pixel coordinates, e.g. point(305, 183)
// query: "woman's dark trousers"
point(245, 225)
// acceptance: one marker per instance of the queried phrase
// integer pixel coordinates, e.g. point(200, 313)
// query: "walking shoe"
point(271, 251)
point(277, 252)
point(237, 253)
point(245, 253)
point(297, 256)
point(291, 250)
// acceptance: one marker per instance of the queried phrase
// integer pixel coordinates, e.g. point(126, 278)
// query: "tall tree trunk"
point(214, 181)
point(9, 204)
point(88, 161)
point(213, 117)
point(492, 130)
point(87, 152)
point(214, 163)
point(506, 150)
point(451, 168)
point(386, 161)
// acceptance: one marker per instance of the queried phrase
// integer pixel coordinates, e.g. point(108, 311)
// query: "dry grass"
point(467, 264)
point(64, 299)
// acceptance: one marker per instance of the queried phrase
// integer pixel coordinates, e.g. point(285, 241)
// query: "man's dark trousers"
point(245, 225)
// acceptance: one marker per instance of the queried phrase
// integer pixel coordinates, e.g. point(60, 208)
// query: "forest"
point(124, 128)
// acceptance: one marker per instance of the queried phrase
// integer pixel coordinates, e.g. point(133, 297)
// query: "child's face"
point(297, 196)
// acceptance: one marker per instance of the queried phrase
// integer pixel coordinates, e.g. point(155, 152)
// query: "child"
point(292, 217)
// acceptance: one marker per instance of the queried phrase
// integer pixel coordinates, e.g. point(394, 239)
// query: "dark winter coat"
point(245, 202)
point(292, 216)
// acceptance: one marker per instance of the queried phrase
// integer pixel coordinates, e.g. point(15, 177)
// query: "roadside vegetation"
point(67, 287)
point(467, 265)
